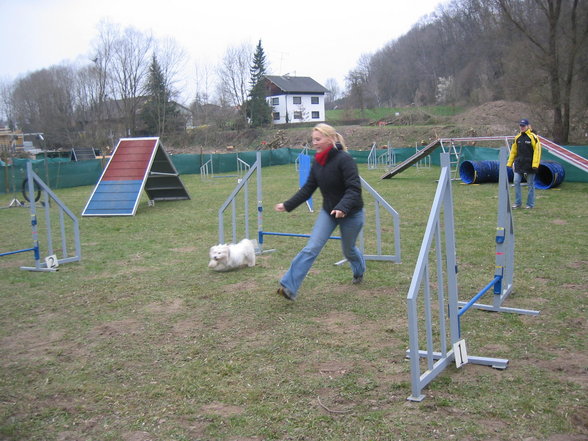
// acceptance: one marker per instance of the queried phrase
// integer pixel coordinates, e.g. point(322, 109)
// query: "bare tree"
point(557, 31)
point(172, 60)
point(44, 101)
point(6, 106)
point(128, 73)
point(358, 84)
point(102, 60)
point(234, 76)
point(168, 60)
point(202, 96)
point(333, 94)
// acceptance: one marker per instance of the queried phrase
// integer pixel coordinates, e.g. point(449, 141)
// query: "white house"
point(295, 99)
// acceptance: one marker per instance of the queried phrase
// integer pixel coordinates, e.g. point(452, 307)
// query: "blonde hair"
point(331, 133)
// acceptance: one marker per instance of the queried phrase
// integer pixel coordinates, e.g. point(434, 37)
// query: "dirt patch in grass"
point(31, 343)
point(221, 409)
point(578, 437)
point(165, 308)
point(137, 436)
point(115, 329)
point(186, 250)
point(568, 367)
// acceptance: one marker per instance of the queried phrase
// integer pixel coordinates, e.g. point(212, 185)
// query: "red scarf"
point(321, 157)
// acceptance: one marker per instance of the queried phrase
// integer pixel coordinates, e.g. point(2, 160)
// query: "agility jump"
point(243, 188)
point(52, 261)
point(446, 311)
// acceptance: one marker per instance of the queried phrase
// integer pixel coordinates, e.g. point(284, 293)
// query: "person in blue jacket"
point(334, 172)
point(525, 155)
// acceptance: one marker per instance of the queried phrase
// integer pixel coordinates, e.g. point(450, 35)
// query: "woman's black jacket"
point(338, 181)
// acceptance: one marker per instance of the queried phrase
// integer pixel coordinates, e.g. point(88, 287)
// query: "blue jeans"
point(518, 177)
point(324, 226)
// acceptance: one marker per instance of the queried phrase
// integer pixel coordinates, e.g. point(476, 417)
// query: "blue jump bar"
point(469, 304)
point(269, 233)
point(18, 251)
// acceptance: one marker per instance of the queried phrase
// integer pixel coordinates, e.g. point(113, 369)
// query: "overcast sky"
point(321, 39)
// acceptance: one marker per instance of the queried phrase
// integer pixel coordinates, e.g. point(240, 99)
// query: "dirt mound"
point(498, 117)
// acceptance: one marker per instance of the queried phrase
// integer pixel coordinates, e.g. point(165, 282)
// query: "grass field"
point(140, 341)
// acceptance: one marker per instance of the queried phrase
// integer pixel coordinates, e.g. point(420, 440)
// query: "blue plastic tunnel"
point(549, 175)
point(477, 172)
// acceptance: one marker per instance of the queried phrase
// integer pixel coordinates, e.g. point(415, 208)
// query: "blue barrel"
point(477, 172)
point(549, 175)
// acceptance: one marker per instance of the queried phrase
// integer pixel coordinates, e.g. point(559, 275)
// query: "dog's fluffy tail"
point(253, 242)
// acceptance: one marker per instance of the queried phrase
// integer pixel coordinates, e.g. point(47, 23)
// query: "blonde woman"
point(335, 173)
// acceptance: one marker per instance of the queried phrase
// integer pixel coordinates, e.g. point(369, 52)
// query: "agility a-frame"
point(136, 164)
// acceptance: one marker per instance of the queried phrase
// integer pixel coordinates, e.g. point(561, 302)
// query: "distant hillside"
point(397, 127)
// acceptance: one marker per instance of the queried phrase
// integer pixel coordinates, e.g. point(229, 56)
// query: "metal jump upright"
point(384, 159)
point(66, 255)
point(441, 317)
point(502, 283)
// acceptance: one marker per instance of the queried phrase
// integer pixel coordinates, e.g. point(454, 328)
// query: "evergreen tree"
point(159, 110)
point(258, 110)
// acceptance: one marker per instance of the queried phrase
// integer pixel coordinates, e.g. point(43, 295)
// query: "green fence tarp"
point(60, 173)
point(56, 173)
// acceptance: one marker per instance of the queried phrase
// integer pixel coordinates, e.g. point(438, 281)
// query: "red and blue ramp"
point(136, 164)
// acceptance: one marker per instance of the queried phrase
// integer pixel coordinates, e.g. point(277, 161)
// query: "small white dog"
point(226, 257)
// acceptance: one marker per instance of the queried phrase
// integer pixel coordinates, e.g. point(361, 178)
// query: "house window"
point(297, 114)
point(297, 100)
point(276, 116)
point(275, 101)
point(315, 115)
point(314, 100)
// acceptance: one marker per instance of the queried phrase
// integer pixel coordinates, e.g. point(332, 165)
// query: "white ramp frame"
point(381, 203)
point(207, 169)
point(448, 146)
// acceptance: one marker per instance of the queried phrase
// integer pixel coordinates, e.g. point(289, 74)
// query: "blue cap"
point(524, 122)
